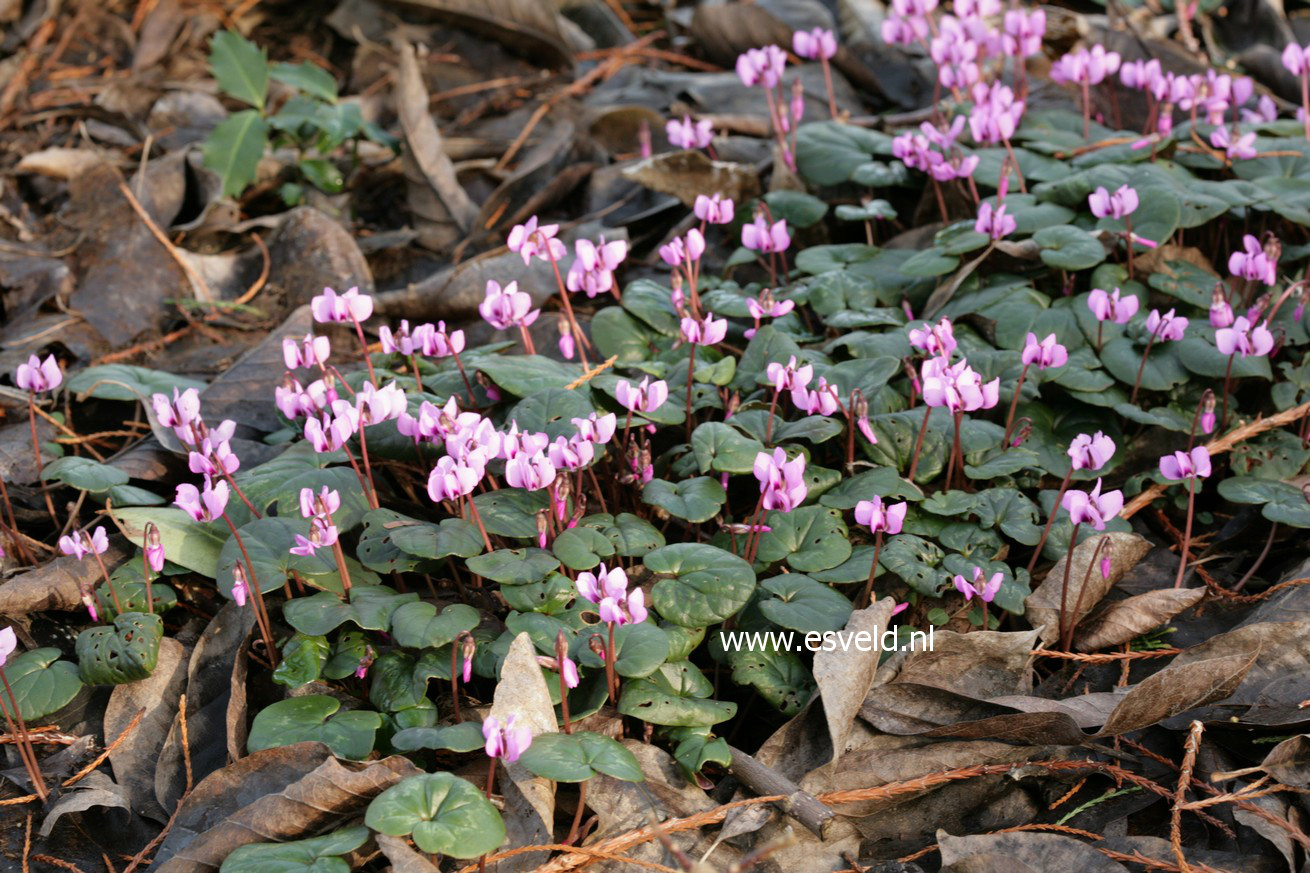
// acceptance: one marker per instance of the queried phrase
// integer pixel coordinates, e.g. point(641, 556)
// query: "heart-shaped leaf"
point(810, 538)
point(41, 683)
point(695, 500)
point(369, 607)
point(303, 658)
point(416, 625)
point(708, 584)
point(316, 855)
point(514, 566)
point(83, 474)
point(314, 718)
point(674, 695)
point(444, 814)
point(640, 649)
point(799, 603)
point(463, 737)
point(125, 652)
point(578, 756)
point(581, 548)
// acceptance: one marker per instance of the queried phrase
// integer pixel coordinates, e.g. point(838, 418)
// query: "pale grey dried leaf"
point(97, 789)
point(981, 665)
point(1131, 617)
point(1042, 607)
point(56, 585)
point(1282, 649)
point(403, 857)
point(1178, 688)
point(529, 799)
point(1024, 849)
point(1289, 761)
point(686, 173)
point(845, 675)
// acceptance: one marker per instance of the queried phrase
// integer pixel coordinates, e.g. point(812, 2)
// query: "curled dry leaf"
point(1282, 650)
point(685, 174)
point(1022, 851)
point(441, 208)
point(528, 27)
point(529, 799)
point(1178, 688)
point(56, 585)
point(96, 790)
point(844, 676)
point(135, 758)
point(1289, 761)
point(258, 809)
point(1125, 619)
point(1043, 605)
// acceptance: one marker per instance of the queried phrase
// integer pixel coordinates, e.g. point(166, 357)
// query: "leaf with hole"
point(125, 652)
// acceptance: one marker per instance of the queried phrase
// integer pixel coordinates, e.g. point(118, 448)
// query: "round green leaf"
point(1122, 357)
point(708, 584)
point(514, 566)
point(83, 474)
point(417, 625)
point(369, 607)
point(317, 855)
point(551, 412)
point(632, 536)
point(463, 737)
point(674, 695)
point(579, 756)
point(303, 657)
point(810, 538)
point(125, 652)
point(799, 603)
point(1066, 247)
point(779, 677)
point(314, 718)
point(640, 649)
point(581, 548)
point(187, 542)
point(445, 815)
point(695, 500)
point(41, 683)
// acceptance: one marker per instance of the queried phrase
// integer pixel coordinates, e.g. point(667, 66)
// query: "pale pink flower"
point(1088, 452)
point(608, 589)
point(506, 741)
point(530, 239)
point(1108, 306)
point(713, 209)
point(688, 134)
point(507, 307)
point(814, 44)
point(878, 516)
point(1093, 507)
point(648, 396)
point(1244, 339)
point(982, 586)
point(351, 306)
point(1117, 205)
point(203, 505)
point(782, 482)
point(38, 376)
point(1046, 353)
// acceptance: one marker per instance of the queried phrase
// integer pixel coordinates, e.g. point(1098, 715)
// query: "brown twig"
point(57, 862)
point(1105, 657)
point(1190, 749)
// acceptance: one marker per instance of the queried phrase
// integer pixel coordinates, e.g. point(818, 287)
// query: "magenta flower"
point(530, 240)
point(8, 644)
point(707, 332)
point(1106, 205)
point(1093, 507)
point(309, 352)
point(433, 341)
point(878, 516)
point(401, 341)
point(688, 134)
point(1244, 339)
point(1111, 306)
point(761, 66)
point(938, 339)
point(593, 268)
point(714, 209)
point(1083, 66)
point(506, 741)
point(1252, 262)
point(981, 587)
point(451, 480)
point(996, 114)
point(348, 307)
point(213, 460)
point(645, 397)
point(760, 236)
point(38, 376)
point(1167, 327)
point(766, 307)
point(324, 503)
point(507, 307)
point(782, 482)
point(1047, 353)
point(240, 587)
point(529, 472)
point(1240, 149)
point(154, 549)
point(321, 533)
point(1296, 58)
point(1023, 32)
point(608, 589)
point(959, 388)
point(814, 44)
point(1091, 452)
point(182, 413)
point(595, 428)
point(1186, 465)
point(80, 544)
point(1221, 312)
point(680, 250)
point(823, 400)
point(789, 377)
point(994, 222)
point(571, 454)
point(203, 505)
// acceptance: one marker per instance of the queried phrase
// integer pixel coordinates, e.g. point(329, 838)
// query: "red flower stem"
point(1187, 532)
point(827, 81)
point(359, 474)
point(24, 742)
point(36, 453)
point(773, 409)
point(104, 571)
point(1141, 368)
point(1067, 643)
point(468, 386)
point(1128, 234)
point(454, 677)
point(867, 598)
point(257, 596)
point(363, 344)
point(368, 468)
point(918, 444)
point(609, 668)
point(583, 342)
point(691, 366)
point(413, 366)
point(577, 816)
point(477, 518)
point(1064, 589)
point(1055, 510)
point(341, 566)
point(1228, 375)
point(12, 527)
point(527, 343)
point(239, 493)
point(1014, 405)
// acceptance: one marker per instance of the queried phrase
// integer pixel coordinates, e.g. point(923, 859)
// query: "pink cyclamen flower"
point(308, 352)
point(760, 236)
point(1186, 465)
point(645, 397)
point(324, 503)
point(1296, 58)
point(1093, 507)
point(321, 533)
point(982, 586)
point(401, 341)
point(593, 268)
point(1240, 149)
point(595, 428)
point(1253, 263)
point(1117, 205)
point(351, 306)
point(959, 388)
point(80, 544)
point(571, 454)
point(688, 134)
point(707, 332)
point(1221, 311)
point(608, 589)
point(937, 339)
point(881, 517)
point(154, 549)
point(1023, 32)
point(433, 341)
point(1091, 67)
point(39, 376)
point(529, 472)
point(1167, 327)
point(376, 405)
point(181, 413)
point(714, 209)
point(789, 377)
point(451, 480)
point(8, 643)
point(1108, 306)
point(530, 239)
point(814, 44)
point(761, 66)
point(506, 741)
point(994, 222)
point(1244, 339)
point(205, 505)
point(1088, 452)
point(1046, 353)
point(782, 482)
point(507, 307)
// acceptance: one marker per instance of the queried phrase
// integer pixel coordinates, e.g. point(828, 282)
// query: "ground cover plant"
point(804, 444)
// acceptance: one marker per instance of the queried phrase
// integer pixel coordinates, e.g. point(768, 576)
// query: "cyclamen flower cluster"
point(1209, 96)
point(608, 589)
point(318, 508)
point(782, 482)
point(933, 150)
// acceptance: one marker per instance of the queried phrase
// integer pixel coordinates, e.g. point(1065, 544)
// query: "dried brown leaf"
point(1178, 688)
point(1283, 651)
point(845, 675)
point(1289, 762)
point(528, 27)
point(1043, 605)
point(57, 585)
point(685, 174)
point(1129, 618)
point(981, 665)
point(1023, 850)
point(135, 758)
point(403, 857)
